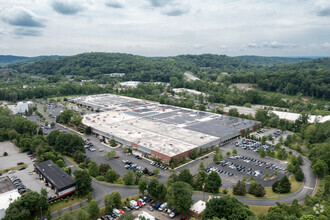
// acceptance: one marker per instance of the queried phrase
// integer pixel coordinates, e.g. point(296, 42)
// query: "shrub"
point(5, 154)
point(100, 178)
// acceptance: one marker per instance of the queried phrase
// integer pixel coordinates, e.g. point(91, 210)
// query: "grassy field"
point(257, 210)
point(12, 168)
point(61, 205)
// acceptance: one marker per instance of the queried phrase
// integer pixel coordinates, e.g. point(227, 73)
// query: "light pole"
point(203, 192)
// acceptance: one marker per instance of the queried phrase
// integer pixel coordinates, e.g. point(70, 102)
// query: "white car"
point(100, 150)
point(11, 171)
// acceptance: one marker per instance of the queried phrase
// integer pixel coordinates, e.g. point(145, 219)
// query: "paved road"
point(101, 189)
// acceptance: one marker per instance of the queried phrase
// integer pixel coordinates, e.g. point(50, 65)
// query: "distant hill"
point(7, 59)
point(272, 61)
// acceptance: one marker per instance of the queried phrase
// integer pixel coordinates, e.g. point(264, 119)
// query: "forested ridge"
point(308, 78)
point(272, 61)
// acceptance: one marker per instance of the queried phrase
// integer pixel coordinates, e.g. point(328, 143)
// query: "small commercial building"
point(8, 194)
point(55, 177)
point(197, 209)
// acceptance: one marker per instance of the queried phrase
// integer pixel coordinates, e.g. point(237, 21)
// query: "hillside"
point(271, 61)
point(136, 67)
point(7, 59)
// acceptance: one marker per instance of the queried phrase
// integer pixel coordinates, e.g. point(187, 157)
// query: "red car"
point(32, 157)
point(89, 143)
point(20, 163)
point(267, 167)
point(116, 157)
point(121, 211)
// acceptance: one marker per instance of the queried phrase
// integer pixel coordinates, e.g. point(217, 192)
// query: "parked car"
point(11, 171)
point(21, 168)
point(20, 163)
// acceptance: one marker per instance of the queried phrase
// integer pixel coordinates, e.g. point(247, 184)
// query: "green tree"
point(228, 154)
point(93, 169)
point(83, 182)
point(266, 175)
point(233, 112)
point(152, 187)
point(193, 155)
point(112, 143)
point(161, 191)
point(282, 186)
point(51, 137)
point(239, 188)
point(216, 158)
point(156, 171)
point(93, 208)
point(103, 168)
point(185, 176)
point(226, 207)
point(251, 177)
point(261, 115)
point(76, 119)
point(88, 130)
point(143, 185)
point(261, 152)
point(259, 191)
point(213, 182)
point(234, 152)
point(320, 168)
point(81, 215)
point(112, 201)
point(67, 216)
point(111, 176)
point(200, 180)
point(275, 173)
point(60, 163)
point(78, 157)
point(201, 166)
point(129, 178)
point(111, 154)
point(126, 216)
point(299, 175)
point(180, 196)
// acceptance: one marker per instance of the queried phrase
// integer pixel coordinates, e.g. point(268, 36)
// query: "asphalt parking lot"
point(229, 181)
point(27, 176)
point(117, 164)
point(272, 131)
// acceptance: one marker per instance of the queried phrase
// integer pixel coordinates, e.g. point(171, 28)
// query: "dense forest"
point(307, 78)
point(272, 61)
point(7, 59)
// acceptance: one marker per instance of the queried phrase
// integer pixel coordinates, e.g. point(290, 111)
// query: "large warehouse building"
point(55, 177)
point(159, 130)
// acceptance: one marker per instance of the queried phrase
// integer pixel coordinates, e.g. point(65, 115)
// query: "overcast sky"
point(165, 27)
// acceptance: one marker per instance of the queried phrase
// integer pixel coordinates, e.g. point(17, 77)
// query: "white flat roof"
point(165, 129)
point(198, 207)
point(8, 197)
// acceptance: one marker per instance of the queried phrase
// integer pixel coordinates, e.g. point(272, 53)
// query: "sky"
point(165, 27)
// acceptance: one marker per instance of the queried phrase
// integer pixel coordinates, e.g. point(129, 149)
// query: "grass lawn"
point(61, 205)
point(12, 168)
point(257, 210)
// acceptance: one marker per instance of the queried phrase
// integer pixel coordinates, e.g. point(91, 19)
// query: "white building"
point(146, 215)
point(197, 209)
point(8, 194)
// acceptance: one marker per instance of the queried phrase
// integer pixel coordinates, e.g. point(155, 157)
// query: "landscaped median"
point(13, 168)
point(295, 186)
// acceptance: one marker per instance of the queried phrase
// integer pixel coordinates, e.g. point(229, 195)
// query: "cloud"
point(18, 16)
point(113, 4)
point(175, 12)
point(272, 44)
point(67, 7)
point(322, 8)
point(27, 32)
point(199, 46)
point(327, 45)
point(160, 3)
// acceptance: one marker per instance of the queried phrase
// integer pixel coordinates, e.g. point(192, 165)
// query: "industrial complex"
point(158, 130)
point(8, 194)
